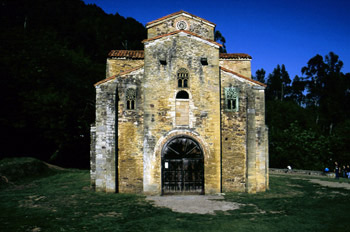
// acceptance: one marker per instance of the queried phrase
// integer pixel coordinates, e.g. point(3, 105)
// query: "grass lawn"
point(61, 200)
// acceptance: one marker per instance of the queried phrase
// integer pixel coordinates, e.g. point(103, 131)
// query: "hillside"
point(52, 52)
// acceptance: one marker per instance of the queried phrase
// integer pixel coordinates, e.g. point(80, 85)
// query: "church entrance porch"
point(182, 167)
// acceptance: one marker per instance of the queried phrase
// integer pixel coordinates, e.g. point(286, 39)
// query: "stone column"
point(105, 137)
point(262, 138)
point(93, 156)
point(251, 142)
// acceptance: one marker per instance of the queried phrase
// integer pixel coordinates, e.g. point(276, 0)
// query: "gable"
point(181, 21)
point(241, 78)
point(137, 71)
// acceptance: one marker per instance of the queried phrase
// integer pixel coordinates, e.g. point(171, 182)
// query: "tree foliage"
point(308, 118)
point(278, 83)
point(218, 37)
point(52, 52)
point(259, 75)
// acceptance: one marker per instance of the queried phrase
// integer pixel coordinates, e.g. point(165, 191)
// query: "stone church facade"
point(178, 117)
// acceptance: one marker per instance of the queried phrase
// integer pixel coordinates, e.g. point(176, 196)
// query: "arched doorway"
point(182, 167)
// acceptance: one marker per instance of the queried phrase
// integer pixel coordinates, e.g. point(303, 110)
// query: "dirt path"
point(194, 204)
point(331, 184)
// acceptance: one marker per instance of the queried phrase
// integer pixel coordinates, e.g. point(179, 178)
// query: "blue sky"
point(271, 31)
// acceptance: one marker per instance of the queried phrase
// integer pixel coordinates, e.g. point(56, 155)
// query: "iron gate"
point(182, 167)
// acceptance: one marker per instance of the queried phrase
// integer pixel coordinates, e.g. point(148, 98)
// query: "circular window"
point(181, 25)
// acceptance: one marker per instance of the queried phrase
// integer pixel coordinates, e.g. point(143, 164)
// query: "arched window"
point(130, 97)
point(182, 108)
point(182, 78)
point(182, 95)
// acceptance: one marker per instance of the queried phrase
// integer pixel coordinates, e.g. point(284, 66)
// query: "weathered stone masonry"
point(179, 117)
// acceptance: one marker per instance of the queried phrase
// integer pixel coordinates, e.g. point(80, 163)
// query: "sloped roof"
point(241, 76)
point(139, 54)
point(177, 13)
point(234, 56)
point(184, 31)
point(132, 54)
point(119, 74)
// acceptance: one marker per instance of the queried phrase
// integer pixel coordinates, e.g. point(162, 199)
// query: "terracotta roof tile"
point(240, 75)
point(139, 54)
point(132, 54)
point(176, 13)
point(176, 32)
point(234, 56)
point(119, 74)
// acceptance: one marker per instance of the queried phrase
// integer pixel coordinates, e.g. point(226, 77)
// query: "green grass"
point(61, 200)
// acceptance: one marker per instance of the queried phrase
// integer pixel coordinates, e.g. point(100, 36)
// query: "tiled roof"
point(234, 56)
point(176, 13)
point(119, 74)
point(187, 32)
point(240, 75)
point(132, 54)
point(139, 54)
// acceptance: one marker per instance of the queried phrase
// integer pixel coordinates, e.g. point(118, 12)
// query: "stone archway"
point(182, 166)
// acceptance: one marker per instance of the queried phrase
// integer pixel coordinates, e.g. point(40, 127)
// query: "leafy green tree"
point(301, 148)
point(309, 128)
point(327, 90)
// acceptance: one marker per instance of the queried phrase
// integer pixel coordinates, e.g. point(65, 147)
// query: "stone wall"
point(257, 141)
point(130, 135)
point(241, 66)
point(262, 173)
point(105, 137)
point(160, 88)
point(244, 138)
point(233, 137)
point(118, 65)
point(119, 170)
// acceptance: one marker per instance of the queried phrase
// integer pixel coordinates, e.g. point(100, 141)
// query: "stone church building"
point(179, 117)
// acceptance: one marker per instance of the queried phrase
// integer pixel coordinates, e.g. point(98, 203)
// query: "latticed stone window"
point(130, 97)
point(182, 78)
point(231, 99)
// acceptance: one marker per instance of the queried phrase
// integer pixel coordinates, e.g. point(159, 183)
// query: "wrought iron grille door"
point(182, 167)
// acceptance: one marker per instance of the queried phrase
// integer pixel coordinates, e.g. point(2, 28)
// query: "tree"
point(278, 83)
point(327, 90)
point(218, 37)
point(297, 90)
point(285, 85)
point(260, 75)
point(52, 52)
point(301, 148)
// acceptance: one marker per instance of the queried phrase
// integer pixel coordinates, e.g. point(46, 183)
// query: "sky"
point(271, 31)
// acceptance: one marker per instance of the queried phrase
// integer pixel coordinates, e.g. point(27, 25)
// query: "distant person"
point(348, 171)
point(336, 170)
point(344, 171)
